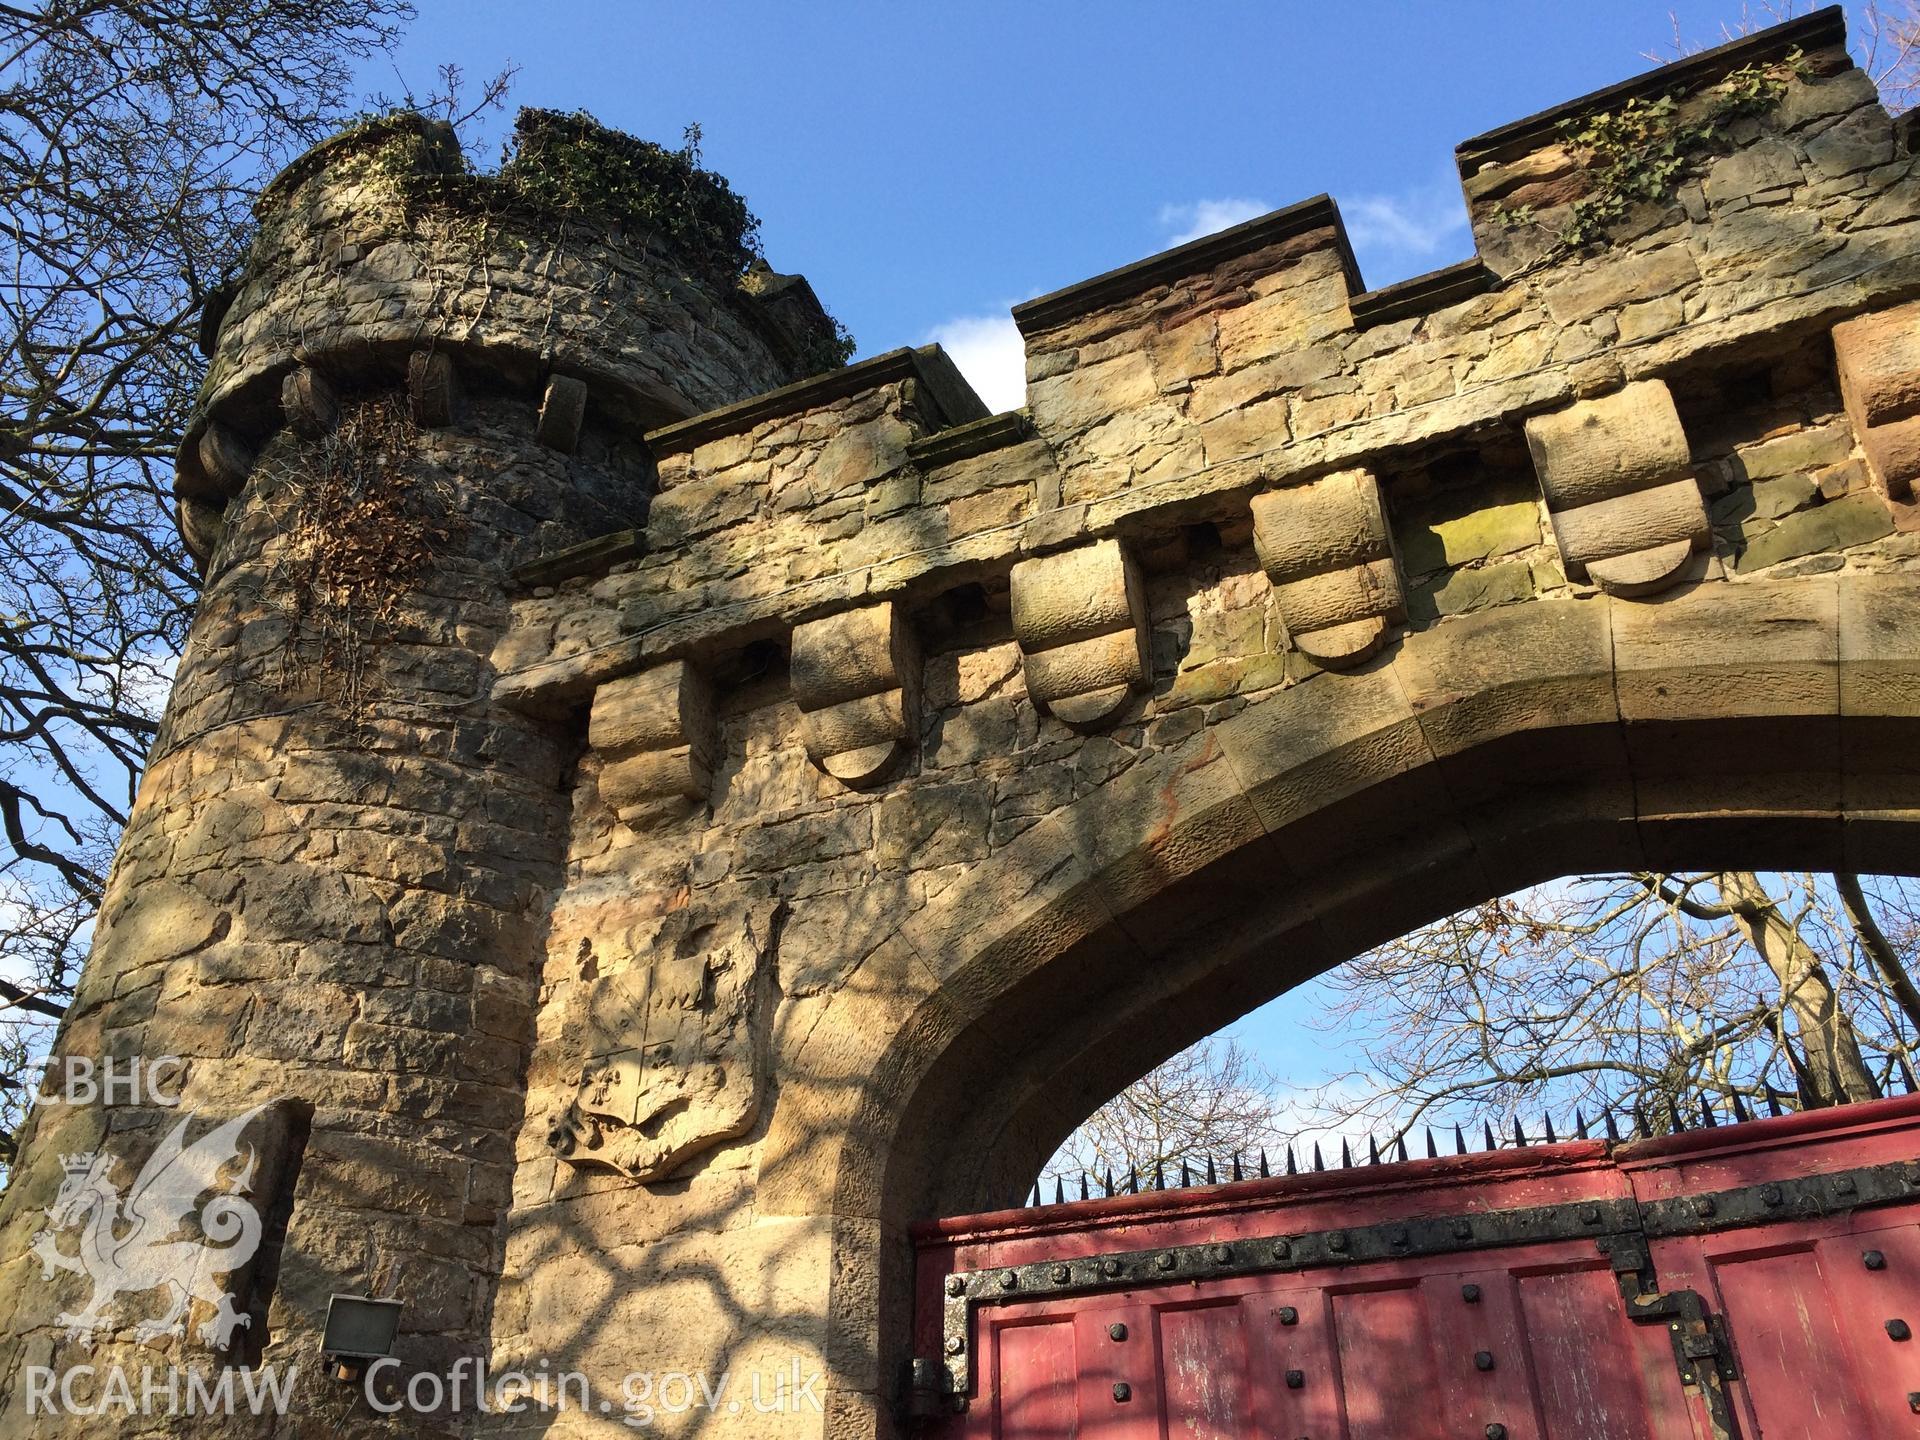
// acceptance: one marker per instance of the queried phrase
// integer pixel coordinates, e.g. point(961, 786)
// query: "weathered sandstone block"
point(1617, 474)
point(226, 457)
point(308, 400)
point(563, 409)
point(1878, 356)
point(433, 388)
point(1080, 617)
point(1609, 446)
point(1328, 551)
point(203, 525)
point(654, 733)
point(855, 677)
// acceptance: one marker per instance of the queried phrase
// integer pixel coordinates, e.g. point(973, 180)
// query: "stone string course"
point(782, 806)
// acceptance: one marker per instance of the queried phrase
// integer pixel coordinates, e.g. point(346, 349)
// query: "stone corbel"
point(1618, 476)
point(226, 458)
point(563, 409)
point(856, 679)
point(1081, 619)
point(1878, 357)
point(654, 733)
point(309, 403)
point(1326, 548)
point(433, 389)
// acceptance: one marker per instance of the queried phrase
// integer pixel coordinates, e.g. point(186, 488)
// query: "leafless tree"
point(1608, 993)
point(132, 135)
point(1214, 1098)
point(1886, 40)
point(1623, 994)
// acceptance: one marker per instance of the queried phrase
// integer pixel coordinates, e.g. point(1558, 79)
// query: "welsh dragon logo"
point(133, 1242)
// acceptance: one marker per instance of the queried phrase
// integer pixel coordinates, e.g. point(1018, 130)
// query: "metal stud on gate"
point(1740, 1112)
point(1613, 1130)
point(1459, 1140)
point(1487, 1127)
point(1546, 1122)
point(1433, 1151)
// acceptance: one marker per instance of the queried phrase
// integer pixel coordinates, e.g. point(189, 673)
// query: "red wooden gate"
point(1757, 1281)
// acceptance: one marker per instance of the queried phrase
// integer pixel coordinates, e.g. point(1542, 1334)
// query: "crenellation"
point(754, 808)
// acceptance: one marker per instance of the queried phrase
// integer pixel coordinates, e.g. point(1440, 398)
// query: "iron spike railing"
point(1616, 1124)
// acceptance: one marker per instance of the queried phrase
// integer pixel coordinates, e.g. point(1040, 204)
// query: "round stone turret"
point(330, 901)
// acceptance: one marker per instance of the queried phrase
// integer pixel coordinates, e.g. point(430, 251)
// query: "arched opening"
point(1760, 726)
point(1617, 1007)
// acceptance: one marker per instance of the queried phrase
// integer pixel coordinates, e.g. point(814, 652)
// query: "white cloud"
point(1400, 234)
point(990, 353)
point(1204, 217)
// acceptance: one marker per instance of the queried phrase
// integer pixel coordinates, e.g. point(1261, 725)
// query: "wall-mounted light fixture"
point(359, 1329)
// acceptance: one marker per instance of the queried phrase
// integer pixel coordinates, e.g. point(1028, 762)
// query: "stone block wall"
point(333, 893)
point(750, 835)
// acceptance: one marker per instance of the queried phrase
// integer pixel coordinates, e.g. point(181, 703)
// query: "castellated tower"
point(331, 897)
point(657, 832)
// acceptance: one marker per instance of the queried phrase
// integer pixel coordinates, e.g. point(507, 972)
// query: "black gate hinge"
point(1702, 1347)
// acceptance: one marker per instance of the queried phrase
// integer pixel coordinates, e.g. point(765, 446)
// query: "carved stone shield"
point(676, 1046)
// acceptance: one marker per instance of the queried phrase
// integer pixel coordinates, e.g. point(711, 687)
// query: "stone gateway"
point(653, 819)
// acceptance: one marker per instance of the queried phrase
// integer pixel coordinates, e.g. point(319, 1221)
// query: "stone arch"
point(1769, 725)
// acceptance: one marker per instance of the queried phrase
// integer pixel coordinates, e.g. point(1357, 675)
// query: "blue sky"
point(928, 166)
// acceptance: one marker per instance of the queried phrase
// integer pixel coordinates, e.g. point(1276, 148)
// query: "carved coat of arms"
point(676, 1046)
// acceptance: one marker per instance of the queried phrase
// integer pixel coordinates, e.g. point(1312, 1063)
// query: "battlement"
point(1168, 393)
point(589, 257)
point(667, 811)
